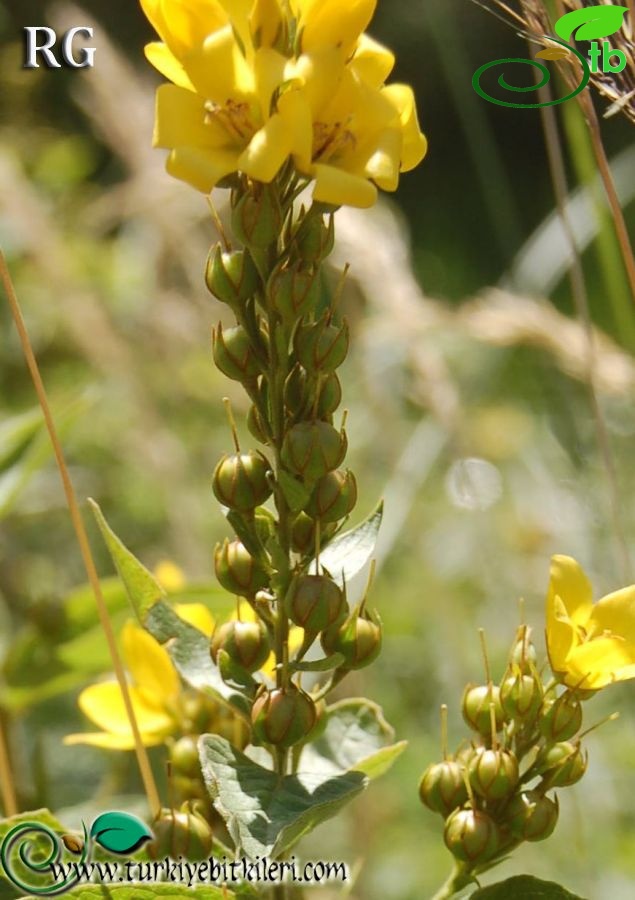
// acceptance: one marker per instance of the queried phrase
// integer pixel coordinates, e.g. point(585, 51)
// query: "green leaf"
point(295, 493)
point(591, 22)
point(120, 832)
point(265, 814)
point(347, 554)
point(357, 738)
point(234, 675)
point(245, 534)
point(142, 587)
point(319, 665)
point(524, 887)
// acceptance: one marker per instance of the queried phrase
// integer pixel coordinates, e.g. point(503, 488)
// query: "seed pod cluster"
point(497, 789)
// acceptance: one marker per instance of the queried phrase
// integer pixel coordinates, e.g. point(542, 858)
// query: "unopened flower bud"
point(303, 534)
point(330, 395)
point(530, 816)
point(184, 757)
point(471, 835)
point(442, 787)
point(241, 481)
point(494, 774)
point(476, 707)
point(562, 764)
point(257, 218)
point(521, 695)
point(246, 643)
point(523, 652)
point(195, 712)
point(311, 449)
point(296, 394)
point(334, 496)
point(233, 354)
point(315, 239)
point(231, 276)
point(322, 346)
point(294, 291)
point(283, 717)
point(237, 570)
point(256, 425)
point(181, 833)
point(358, 639)
point(561, 719)
point(314, 602)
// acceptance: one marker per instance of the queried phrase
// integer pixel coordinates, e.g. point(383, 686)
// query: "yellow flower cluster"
point(258, 82)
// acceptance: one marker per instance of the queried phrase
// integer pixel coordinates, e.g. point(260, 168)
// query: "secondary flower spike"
point(256, 83)
point(589, 645)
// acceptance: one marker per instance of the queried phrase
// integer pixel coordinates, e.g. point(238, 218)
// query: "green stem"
point(459, 878)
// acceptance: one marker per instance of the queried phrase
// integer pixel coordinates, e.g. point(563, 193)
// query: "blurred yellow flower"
point(589, 645)
point(254, 84)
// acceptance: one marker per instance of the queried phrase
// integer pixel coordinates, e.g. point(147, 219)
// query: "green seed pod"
point(232, 727)
point(184, 757)
point(562, 764)
point(181, 833)
point(231, 276)
point(330, 395)
point(195, 711)
point(523, 652)
point(561, 719)
point(237, 570)
point(256, 425)
point(358, 639)
point(294, 291)
point(233, 354)
point(314, 602)
point(303, 534)
point(321, 346)
point(187, 789)
point(493, 774)
point(315, 239)
point(530, 816)
point(246, 643)
point(283, 717)
point(334, 496)
point(241, 481)
point(442, 787)
point(257, 218)
point(471, 835)
point(521, 695)
point(296, 394)
point(311, 449)
point(476, 707)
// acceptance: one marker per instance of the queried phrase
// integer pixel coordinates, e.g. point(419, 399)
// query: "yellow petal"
point(383, 164)
point(164, 61)
point(239, 11)
point(415, 144)
point(169, 576)
point(267, 151)
point(600, 662)
point(616, 613)
point(149, 664)
point(569, 582)
point(103, 704)
point(184, 24)
point(334, 23)
point(269, 68)
point(218, 70)
point(341, 188)
point(113, 741)
point(295, 112)
point(320, 74)
point(561, 634)
point(180, 121)
point(203, 170)
point(196, 614)
point(266, 23)
point(372, 61)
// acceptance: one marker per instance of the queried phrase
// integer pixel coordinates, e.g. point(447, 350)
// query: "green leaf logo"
point(591, 23)
point(119, 832)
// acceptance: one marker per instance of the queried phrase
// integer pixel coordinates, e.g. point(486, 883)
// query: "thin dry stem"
point(82, 537)
point(7, 784)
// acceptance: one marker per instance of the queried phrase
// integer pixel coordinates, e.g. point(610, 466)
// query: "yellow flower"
point(589, 645)
point(154, 689)
point(245, 97)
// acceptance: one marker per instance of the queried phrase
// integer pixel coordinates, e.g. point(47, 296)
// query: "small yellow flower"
point(245, 97)
point(154, 689)
point(589, 645)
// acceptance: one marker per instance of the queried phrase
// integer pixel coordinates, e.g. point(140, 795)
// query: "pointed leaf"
point(265, 814)
point(524, 887)
point(357, 738)
point(347, 554)
point(319, 665)
point(119, 832)
point(142, 587)
point(591, 23)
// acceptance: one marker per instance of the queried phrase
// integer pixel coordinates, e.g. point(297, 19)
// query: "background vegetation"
point(468, 389)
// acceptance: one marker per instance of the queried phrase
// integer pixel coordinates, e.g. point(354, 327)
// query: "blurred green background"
point(469, 407)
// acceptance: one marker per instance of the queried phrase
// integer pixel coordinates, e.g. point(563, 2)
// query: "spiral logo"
point(29, 849)
point(546, 76)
